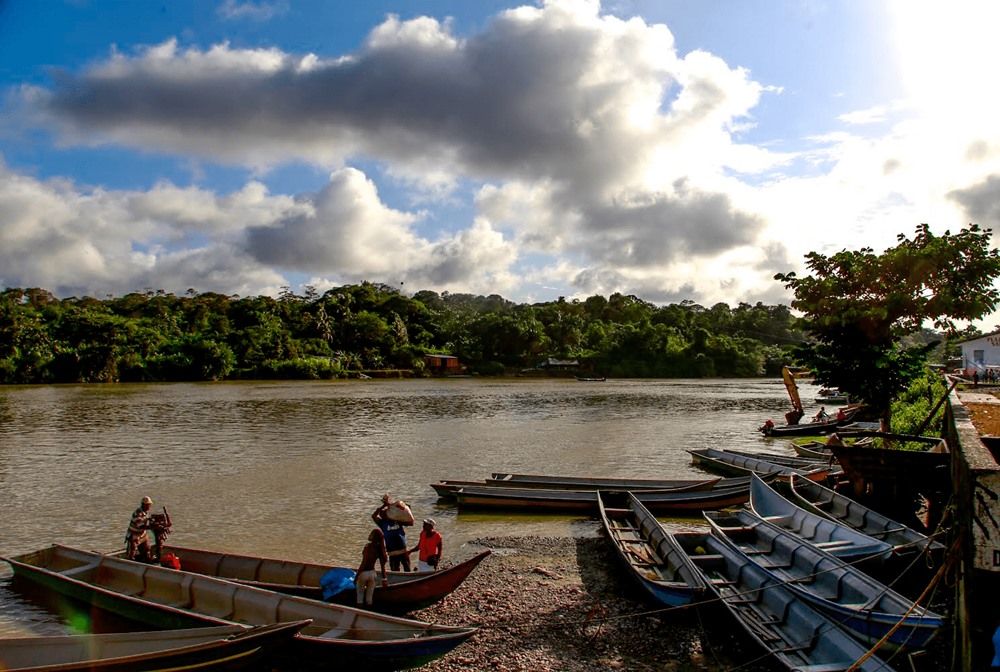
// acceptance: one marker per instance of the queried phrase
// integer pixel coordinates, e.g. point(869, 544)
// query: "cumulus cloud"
point(590, 134)
point(73, 240)
point(981, 202)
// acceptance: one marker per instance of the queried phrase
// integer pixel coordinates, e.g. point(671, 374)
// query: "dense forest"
point(158, 336)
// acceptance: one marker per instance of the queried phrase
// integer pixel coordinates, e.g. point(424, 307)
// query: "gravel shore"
point(560, 604)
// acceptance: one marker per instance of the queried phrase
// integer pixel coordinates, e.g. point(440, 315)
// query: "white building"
point(980, 353)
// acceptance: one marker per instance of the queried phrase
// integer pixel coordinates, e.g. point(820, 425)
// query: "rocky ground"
point(562, 604)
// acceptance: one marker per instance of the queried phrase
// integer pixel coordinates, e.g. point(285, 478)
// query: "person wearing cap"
point(394, 534)
point(430, 545)
point(137, 537)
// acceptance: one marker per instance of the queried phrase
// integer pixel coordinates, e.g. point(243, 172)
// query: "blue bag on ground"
point(336, 581)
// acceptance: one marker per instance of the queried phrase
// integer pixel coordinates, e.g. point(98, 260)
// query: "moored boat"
point(407, 591)
point(725, 462)
point(538, 499)
point(225, 647)
point(835, 506)
point(814, 449)
point(798, 636)
point(446, 489)
point(867, 608)
point(650, 554)
point(833, 537)
point(338, 636)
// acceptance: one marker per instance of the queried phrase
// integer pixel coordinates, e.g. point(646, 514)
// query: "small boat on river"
point(542, 500)
point(814, 449)
point(832, 536)
point(867, 608)
point(224, 647)
point(339, 637)
point(795, 461)
point(798, 636)
point(725, 462)
point(446, 489)
point(407, 591)
point(905, 541)
point(652, 556)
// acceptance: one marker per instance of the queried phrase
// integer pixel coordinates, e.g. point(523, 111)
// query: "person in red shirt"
point(430, 546)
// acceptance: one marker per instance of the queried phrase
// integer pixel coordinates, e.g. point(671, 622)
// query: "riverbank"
point(559, 603)
point(562, 603)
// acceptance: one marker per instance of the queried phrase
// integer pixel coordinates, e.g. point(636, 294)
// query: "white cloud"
point(254, 11)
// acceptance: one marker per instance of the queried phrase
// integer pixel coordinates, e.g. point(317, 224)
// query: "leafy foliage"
point(157, 336)
point(861, 308)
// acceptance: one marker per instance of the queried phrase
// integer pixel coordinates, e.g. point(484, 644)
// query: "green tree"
point(859, 307)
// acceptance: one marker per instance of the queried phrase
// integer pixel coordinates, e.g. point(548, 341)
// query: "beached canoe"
point(798, 636)
point(867, 608)
point(446, 489)
point(833, 537)
point(814, 449)
point(224, 647)
point(541, 500)
point(339, 637)
point(725, 462)
point(651, 556)
point(905, 541)
point(407, 591)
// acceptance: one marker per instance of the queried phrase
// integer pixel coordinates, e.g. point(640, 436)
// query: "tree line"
point(159, 336)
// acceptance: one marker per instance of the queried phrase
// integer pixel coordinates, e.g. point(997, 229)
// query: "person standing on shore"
point(430, 545)
point(392, 529)
point(365, 577)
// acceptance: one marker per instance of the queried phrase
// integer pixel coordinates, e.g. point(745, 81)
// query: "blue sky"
point(671, 150)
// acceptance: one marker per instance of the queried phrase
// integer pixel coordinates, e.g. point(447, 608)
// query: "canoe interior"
point(838, 507)
point(216, 601)
point(23, 652)
point(648, 550)
point(846, 594)
point(833, 537)
point(792, 631)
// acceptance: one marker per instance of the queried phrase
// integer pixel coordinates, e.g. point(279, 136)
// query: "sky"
point(673, 150)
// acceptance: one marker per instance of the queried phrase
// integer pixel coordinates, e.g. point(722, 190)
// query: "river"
point(294, 469)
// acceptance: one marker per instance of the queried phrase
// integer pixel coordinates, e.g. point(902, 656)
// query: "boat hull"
point(165, 598)
point(650, 555)
point(531, 499)
point(407, 591)
point(202, 649)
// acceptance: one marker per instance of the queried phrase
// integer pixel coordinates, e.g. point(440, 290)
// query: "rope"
point(952, 554)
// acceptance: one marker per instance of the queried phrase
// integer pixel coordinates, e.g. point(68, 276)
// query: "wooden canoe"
point(813, 449)
point(798, 636)
point(725, 462)
point(224, 647)
point(795, 461)
point(593, 483)
point(651, 556)
point(339, 636)
point(835, 506)
point(867, 608)
point(407, 591)
point(446, 489)
point(537, 499)
point(833, 537)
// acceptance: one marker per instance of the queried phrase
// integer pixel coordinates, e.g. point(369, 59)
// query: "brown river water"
point(294, 469)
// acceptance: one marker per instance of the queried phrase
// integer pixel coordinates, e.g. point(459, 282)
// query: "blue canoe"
point(855, 601)
point(833, 537)
point(651, 555)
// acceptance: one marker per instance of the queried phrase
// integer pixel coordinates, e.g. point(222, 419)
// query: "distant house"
point(443, 364)
point(980, 353)
point(552, 363)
